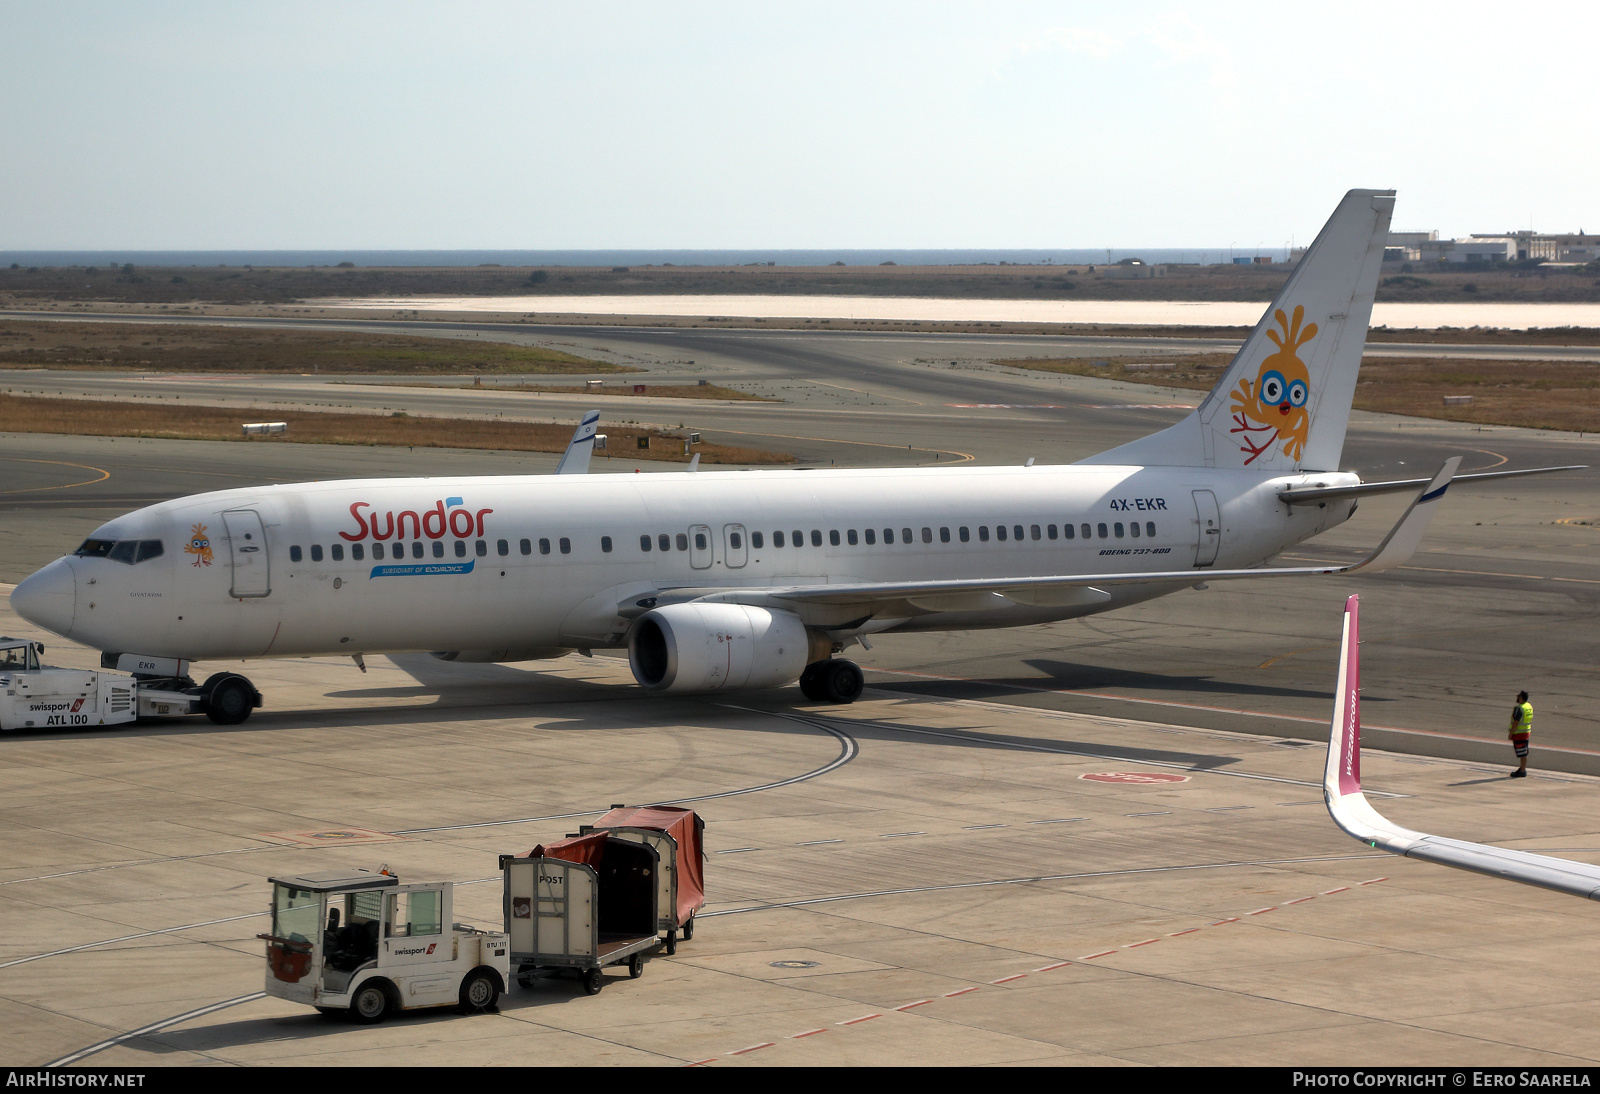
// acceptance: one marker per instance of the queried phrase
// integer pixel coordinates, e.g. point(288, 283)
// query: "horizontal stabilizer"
point(1306, 495)
point(1341, 789)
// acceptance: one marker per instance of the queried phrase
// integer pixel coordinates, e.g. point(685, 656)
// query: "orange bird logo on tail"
point(1274, 407)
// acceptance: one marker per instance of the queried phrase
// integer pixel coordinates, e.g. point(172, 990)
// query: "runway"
point(966, 895)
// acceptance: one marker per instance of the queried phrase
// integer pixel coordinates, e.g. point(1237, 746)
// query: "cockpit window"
point(130, 551)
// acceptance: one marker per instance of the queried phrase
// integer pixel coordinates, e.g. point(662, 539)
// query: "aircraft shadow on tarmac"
point(495, 692)
point(1077, 677)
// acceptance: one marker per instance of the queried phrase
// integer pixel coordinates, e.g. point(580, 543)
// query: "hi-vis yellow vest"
point(1521, 721)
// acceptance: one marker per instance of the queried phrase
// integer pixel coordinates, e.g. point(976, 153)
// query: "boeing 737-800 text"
point(721, 580)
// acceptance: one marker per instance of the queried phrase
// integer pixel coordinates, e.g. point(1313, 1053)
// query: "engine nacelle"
point(540, 653)
point(716, 647)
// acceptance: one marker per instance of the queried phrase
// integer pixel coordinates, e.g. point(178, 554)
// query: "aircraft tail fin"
point(1284, 402)
point(575, 460)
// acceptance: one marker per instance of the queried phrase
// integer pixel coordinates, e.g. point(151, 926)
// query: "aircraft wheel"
point(591, 981)
point(844, 682)
point(811, 682)
point(371, 1004)
point(636, 966)
point(229, 698)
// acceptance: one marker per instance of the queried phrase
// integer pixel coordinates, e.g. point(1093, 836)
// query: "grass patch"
point(179, 347)
point(96, 418)
point(1534, 394)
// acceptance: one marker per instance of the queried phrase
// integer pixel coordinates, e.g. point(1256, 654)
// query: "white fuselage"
point(478, 564)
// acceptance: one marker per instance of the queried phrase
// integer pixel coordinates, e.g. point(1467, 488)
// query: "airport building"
point(1574, 248)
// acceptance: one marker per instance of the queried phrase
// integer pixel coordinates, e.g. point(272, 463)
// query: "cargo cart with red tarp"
point(581, 903)
point(676, 835)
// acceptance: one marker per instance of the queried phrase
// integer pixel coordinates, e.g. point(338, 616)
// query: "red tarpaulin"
point(684, 826)
point(588, 850)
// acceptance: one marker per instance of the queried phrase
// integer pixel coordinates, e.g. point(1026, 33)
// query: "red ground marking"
point(1133, 777)
point(962, 991)
point(1340, 889)
point(1102, 953)
point(1057, 965)
point(1374, 880)
point(1302, 900)
point(807, 1033)
point(918, 1003)
point(1175, 934)
point(1230, 919)
point(863, 1018)
point(1262, 911)
point(749, 1048)
point(1136, 945)
point(701, 1063)
point(1008, 979)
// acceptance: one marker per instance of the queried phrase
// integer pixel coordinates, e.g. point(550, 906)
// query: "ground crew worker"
point(1520, 730)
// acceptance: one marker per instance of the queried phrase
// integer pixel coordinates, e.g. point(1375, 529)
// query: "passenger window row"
point(665, 541)
point(358, 551)
point(131, 551)
point(1002, 533)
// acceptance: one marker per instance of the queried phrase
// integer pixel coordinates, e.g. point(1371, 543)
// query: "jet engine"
point(541, 653)
point(714, 647)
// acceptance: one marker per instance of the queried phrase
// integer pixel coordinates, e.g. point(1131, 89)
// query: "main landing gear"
point(832, 681)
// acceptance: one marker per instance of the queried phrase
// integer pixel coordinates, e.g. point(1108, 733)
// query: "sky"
point(702, 125)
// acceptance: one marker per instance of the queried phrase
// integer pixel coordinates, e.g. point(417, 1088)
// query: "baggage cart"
point(581, 904)
point(677, 837)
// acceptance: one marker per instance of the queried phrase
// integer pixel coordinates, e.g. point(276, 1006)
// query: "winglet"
point(1343, 775)
point(1401, 542)
point(575, 460)
point(1341, 779)
point(1350, 810)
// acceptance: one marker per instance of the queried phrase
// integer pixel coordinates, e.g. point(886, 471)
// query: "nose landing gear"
point(832, 681)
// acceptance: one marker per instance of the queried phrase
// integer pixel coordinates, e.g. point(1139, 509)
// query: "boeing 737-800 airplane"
point(754, 579)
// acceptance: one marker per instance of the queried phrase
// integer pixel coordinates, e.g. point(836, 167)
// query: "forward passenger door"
point(247, 549)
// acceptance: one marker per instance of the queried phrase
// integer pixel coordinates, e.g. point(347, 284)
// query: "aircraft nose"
point(49, 597)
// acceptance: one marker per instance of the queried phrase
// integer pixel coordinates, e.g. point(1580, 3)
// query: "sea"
point(779, 257)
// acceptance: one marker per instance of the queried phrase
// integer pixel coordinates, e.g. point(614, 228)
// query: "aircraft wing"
point(1341, 789)
point(976, 594)
point(575, 460)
